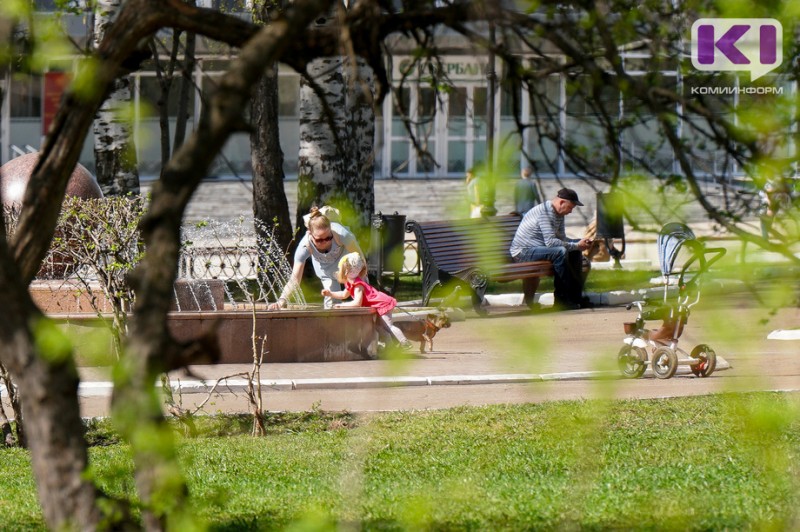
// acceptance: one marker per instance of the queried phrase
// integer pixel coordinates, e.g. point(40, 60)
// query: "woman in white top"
point(325, 242)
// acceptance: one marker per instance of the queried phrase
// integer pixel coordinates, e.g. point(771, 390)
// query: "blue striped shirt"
point(541, 227)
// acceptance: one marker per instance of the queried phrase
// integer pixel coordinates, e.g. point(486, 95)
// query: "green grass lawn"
point(700, 463)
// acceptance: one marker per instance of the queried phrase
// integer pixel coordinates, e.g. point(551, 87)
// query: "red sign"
point(52, 89)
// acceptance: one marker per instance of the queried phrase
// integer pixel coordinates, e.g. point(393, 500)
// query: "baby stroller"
point(662, 344)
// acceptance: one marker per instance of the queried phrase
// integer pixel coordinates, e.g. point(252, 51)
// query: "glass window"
point(45, 5)
point(479, 110)
point(507, 92)
point(151, 93)
point(456, 156)
point(425, 161)
point(55, 5)
point(229, 6)
point(211, 66)
point(288, 95)
point(478, 152)
point(25, 97)
point(426, 109)
point(545, 122)
point(400, 163)
point(644, 145)
point(427, 105)
point(705, 154)
point(457, 111)
point(588, 111)
point(403, 102)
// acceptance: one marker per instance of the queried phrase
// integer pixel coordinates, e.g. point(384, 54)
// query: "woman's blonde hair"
point(351, 261)
point(317, 220)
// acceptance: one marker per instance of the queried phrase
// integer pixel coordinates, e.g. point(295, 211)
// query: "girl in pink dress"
point(352, 274)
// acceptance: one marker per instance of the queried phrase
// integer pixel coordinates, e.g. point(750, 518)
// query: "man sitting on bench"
point(541, 236)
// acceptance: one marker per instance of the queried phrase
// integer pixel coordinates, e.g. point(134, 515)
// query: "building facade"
point(450, 126)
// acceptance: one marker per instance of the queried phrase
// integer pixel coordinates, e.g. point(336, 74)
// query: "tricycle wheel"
point(708, 361)
point(665, 362)
point(632, 361)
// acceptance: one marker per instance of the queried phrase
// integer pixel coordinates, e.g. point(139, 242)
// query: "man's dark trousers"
point(567, 266)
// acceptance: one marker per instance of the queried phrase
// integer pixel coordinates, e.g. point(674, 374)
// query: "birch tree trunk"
point(114, 150)
point(358, 179)
point(337, 140)
point(319, 161)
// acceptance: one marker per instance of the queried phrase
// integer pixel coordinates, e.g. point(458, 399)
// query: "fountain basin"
point(315, 335)
point(285, 336)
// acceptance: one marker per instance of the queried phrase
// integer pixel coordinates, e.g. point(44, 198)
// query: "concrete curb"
point(103, 389)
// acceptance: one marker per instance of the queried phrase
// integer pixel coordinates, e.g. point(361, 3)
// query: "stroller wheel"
point(707, 363)
point(632, 361)
point(665, 362)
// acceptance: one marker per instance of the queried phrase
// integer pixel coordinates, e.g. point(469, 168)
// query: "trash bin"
point(387, 247)
point(610, 224)
point(609, 216)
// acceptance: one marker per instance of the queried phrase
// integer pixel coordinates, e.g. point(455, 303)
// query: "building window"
point(586, 133)
point(150, 92)
point(25, 97)
point(288, 95)
point(706, 156)
point(229, 6)
point(545, 124)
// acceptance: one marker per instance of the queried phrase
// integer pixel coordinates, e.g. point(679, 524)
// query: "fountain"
point(233, 257)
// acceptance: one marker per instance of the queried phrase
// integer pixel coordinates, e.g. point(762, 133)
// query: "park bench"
point(471, 253)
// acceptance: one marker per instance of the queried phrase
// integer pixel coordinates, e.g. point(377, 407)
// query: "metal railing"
point(242, 262)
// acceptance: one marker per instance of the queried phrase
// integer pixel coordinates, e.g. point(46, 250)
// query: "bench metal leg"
point(427, 291)
point(478, 282)
point(479, 303)
point(529, 287)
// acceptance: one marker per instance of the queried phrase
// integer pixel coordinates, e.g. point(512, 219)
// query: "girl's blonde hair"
point(350, 262)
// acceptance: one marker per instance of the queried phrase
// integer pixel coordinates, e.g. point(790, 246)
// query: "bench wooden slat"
point(472, 251)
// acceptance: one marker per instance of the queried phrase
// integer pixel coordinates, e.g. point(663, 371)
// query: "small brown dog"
point(423, 331)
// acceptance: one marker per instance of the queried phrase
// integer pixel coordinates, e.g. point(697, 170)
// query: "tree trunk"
point(187, 87)
point(48, 384)
point(319, 159)
point(359, 136)
point(269, 197)
point(337, 136)
point(114, 151)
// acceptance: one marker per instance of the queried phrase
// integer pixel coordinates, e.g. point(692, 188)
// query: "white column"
point(5, 119)
point(388, 113)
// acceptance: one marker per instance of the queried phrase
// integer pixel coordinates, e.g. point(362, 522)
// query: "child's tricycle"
point(662, 344)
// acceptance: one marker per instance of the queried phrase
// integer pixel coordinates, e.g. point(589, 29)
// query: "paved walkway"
point(509, 357)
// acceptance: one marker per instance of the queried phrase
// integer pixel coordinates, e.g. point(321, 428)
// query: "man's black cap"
point(569, 195)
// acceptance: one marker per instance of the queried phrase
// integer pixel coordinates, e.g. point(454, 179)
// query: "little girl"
point(352, 272)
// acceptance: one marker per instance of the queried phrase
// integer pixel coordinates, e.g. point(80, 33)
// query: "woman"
point(325, 242)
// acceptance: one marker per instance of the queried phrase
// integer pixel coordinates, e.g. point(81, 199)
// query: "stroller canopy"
point(670, 240)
